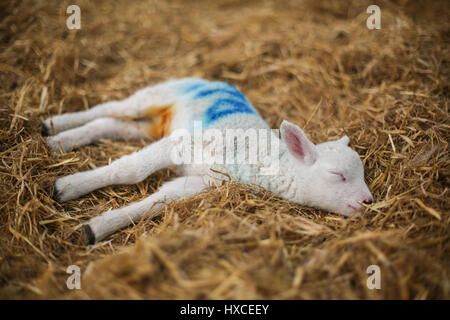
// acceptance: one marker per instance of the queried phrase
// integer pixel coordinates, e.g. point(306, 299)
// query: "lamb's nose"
point(368, 201)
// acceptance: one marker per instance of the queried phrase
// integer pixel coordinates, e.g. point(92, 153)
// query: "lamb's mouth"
point(355, 208)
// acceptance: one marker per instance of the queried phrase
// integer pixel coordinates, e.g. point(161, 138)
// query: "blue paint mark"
point(228, 86)
point(193, 87)
point(225, 107)
point(235, 93)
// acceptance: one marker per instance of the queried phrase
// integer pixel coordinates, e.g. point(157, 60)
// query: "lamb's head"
point(329, 175)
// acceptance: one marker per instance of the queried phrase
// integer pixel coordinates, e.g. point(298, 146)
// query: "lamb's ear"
point(297, 143)
point(345, 140)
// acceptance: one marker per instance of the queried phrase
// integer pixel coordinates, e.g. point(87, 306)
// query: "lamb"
point(328, 176)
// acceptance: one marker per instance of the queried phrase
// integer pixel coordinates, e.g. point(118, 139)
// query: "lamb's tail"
point(159, 120)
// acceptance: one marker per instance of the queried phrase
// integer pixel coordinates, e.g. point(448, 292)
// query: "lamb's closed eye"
point(338, 174)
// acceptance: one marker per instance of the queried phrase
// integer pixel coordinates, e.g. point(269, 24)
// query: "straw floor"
point(312, 62)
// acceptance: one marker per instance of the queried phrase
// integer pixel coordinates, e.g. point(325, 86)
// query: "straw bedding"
point(314, 63)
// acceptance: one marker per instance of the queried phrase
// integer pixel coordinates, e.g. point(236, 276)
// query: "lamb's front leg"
point(110, 221)
point(129, 169)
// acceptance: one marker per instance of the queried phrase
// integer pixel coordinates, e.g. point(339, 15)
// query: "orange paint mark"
point(161, 118)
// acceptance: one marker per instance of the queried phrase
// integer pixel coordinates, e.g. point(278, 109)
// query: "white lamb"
point(328, 175)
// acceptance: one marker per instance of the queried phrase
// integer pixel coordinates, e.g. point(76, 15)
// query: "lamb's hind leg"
point(102, 128)
point(128, 169)
point(137, 105)
point(111, 221)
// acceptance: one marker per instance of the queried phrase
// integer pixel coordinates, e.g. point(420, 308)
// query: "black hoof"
point(44, 130)
point(56, 196)
point(89, 235)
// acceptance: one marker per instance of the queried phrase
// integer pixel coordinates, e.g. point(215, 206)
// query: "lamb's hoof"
point(89, 235)
point(45, 131)
point(56, 194)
